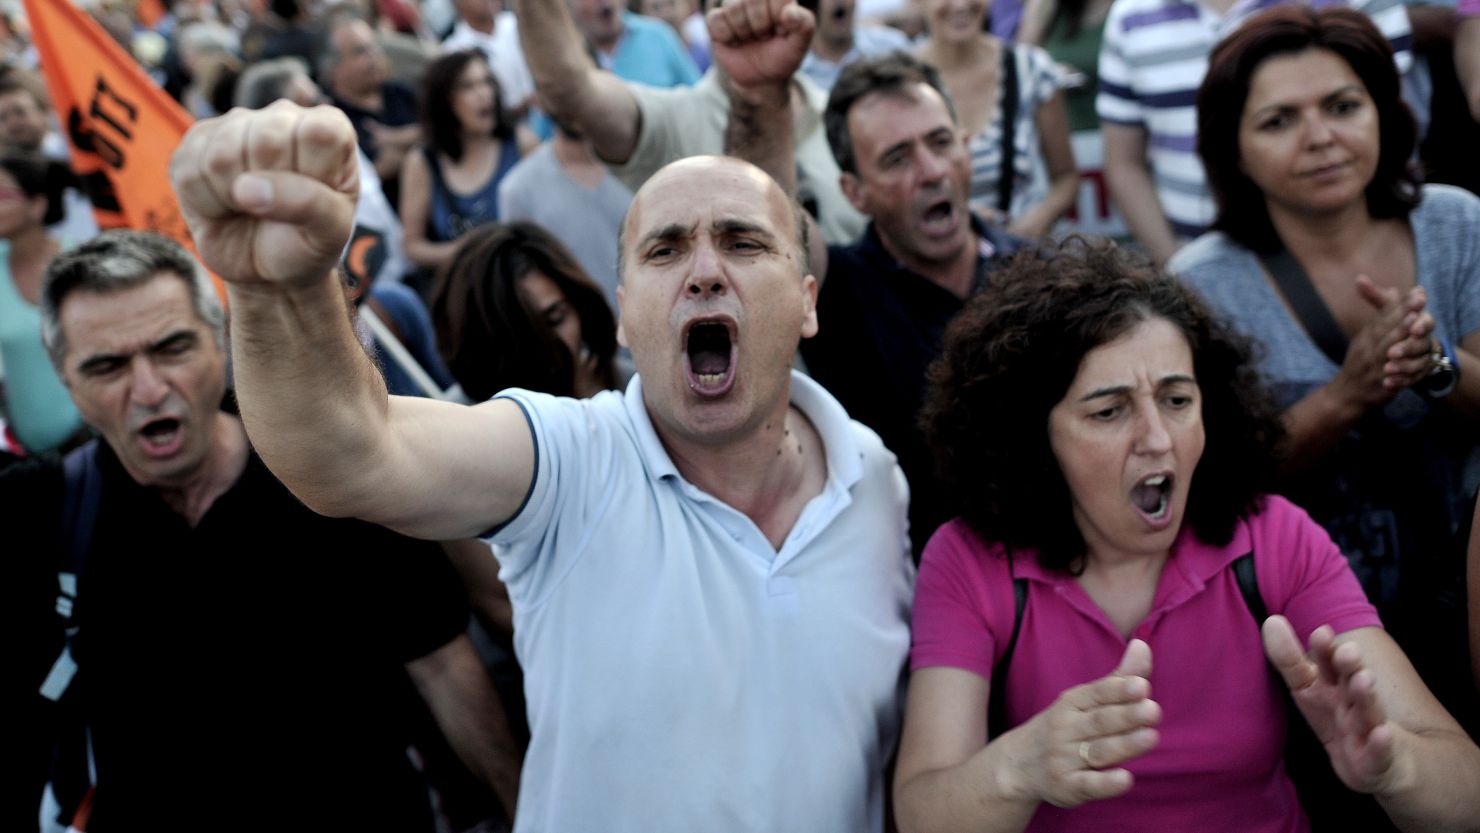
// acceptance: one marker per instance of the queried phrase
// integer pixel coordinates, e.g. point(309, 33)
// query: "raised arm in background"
point(576, 92)
point(760, 45)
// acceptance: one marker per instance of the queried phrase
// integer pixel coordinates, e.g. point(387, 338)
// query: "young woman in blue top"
point(451, 185)
point(36, 403)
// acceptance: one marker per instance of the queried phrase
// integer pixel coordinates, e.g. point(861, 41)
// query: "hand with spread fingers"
point(760, 42)
point(1078, 744)
point(1392, 350)
point(269, 195)
point(1337, 695)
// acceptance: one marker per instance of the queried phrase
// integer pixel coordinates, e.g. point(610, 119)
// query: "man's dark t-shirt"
point(250, 672)
point(879, 328)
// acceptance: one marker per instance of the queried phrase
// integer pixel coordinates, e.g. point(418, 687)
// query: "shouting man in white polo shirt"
point(710, 572)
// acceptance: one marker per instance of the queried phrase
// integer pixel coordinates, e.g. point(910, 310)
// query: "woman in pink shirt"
point(1107, 444)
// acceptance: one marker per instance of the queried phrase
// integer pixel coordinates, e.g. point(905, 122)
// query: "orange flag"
point(149, 12)
point(121, 127)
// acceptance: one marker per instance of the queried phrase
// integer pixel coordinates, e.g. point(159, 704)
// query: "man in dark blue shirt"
point(884, 300)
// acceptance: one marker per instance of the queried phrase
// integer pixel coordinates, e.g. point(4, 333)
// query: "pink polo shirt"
point(1219, 766)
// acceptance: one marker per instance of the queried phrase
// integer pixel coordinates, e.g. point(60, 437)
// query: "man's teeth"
point(160, 439)
point(710, 378)
point(1155, 481)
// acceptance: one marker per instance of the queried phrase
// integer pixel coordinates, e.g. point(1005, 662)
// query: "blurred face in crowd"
point(546, 302)
point(714, 298)
point(148, 374)
point(600, 21)
point(22, 120)
point(18, 210)
point(914, 174)
point(955, 21)
point(835, 21)
point(1309, 135)
point(361, 65)
point(473, 99)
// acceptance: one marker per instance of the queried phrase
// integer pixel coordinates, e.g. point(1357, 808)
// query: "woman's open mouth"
point(709, 358)
point(1152, 497)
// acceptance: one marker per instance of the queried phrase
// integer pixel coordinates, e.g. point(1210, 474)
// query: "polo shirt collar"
point(1194, 561)
point(844, 459)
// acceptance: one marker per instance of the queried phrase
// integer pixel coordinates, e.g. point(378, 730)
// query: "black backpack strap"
point(84, 492)
point(1008, 171)
point(1329, 805)
point(1248, 585)
point(82, 485)
point(997, 697)
point(1313, 313)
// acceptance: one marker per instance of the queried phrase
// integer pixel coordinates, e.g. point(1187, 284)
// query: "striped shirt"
point(1038, 78)
point(1151, 65)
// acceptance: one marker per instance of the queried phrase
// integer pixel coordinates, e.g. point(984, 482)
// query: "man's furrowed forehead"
point(704, 195)
point(127, 320)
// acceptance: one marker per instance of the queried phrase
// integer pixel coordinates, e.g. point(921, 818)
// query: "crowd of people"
point(720, 416)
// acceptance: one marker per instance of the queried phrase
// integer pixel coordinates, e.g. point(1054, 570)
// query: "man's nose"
point(147, 386)
point(706, 272)
point(933, 166)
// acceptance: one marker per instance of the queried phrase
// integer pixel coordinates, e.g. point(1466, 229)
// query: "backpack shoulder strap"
point(997, 697)
point(83, 484)
point(1248, 585)
point(1008, 171)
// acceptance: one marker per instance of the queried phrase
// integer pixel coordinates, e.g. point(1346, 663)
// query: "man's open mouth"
point(939, 217)
point(162, 436)
point(709, 348)
point(1152, 495)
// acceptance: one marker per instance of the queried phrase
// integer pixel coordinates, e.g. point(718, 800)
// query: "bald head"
point(711, 177)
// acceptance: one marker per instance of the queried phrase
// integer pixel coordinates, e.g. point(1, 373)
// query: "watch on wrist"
point(1443, 373)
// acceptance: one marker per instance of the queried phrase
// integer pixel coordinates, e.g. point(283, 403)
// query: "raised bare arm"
point(758, 45)
point(269, 196)
point(576, 92)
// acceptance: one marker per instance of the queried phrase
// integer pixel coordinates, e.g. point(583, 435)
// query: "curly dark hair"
point(1010, 357)
point(488, 335)
point(1285, 30)
point(438, 121)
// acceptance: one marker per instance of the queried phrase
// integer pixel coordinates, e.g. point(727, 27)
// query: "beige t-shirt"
point(691, 121)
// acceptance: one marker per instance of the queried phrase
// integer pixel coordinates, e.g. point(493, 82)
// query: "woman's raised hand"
point(1338, 697)
point(1391, 350)
point(1075, 747)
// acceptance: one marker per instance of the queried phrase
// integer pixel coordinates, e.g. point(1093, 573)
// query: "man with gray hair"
point(236, 659)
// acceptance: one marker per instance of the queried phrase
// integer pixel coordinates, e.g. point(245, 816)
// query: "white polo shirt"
point(683, 675)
